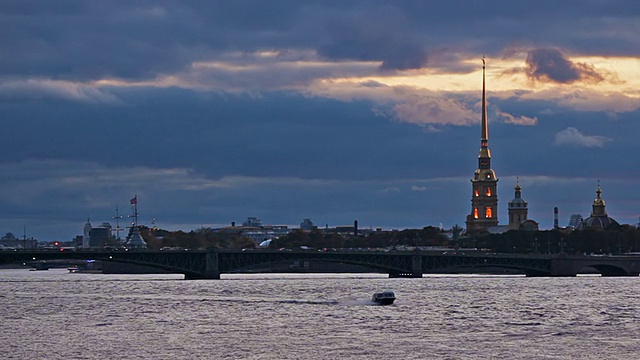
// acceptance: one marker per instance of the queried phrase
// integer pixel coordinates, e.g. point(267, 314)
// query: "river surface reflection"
point(57, 315)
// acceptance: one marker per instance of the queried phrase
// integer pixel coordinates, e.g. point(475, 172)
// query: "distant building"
point(11, 241)
point(575, 221)
point(518, 213)
point(306, 224)
point(86, 237)
point(98, 236)
point(265, 232)
point(259, 236)
point(77, 241)
point(253, 222)
point(599, 218)
point(518, 209)
point(529, 225)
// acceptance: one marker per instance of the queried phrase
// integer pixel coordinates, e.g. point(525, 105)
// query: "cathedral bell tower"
point(484, 185)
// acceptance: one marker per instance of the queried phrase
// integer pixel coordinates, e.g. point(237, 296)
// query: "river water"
point(57, 315)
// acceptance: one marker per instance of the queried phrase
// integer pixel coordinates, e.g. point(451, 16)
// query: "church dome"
point(598, 222)
point(599, 218)
point(518, 201)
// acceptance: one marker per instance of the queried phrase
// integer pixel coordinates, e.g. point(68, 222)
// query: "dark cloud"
point(130, 40)
point(143, 39)
point(552, 65)
point(360, 37)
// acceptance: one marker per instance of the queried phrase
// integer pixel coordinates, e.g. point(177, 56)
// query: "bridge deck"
point(210, 264)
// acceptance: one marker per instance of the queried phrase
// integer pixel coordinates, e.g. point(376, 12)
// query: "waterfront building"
point(484, 185)
point(260, 235)
point(599, 218)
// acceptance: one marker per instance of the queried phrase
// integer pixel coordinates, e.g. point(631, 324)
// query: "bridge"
point(210, 264)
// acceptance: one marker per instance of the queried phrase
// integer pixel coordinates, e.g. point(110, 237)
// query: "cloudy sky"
point(213, 111)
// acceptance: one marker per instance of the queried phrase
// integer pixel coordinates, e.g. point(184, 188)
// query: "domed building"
point(518, 212)
point(599, 218)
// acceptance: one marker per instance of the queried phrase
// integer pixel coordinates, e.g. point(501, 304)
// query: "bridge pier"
point(202, 276)
point(416, 269)
point(404, 275)
point(562, 267)
point(211, 271)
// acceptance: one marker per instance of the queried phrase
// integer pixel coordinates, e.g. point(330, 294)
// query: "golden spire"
point(485, 126)
point(484, 140)
point(598, 201)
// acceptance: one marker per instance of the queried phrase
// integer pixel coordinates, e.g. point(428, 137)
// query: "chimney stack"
point(355, 228)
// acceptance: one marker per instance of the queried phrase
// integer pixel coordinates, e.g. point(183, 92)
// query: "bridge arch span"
point(605, 270)
point(233, 262)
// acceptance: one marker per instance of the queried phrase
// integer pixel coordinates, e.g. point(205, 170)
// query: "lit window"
point(476, 192)
point(488, 191)
point(488, 213)
point(475, 213)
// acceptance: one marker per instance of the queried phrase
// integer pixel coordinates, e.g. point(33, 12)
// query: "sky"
point(214, 111)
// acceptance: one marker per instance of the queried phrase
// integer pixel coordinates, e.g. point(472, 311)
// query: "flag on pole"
point(134, 201)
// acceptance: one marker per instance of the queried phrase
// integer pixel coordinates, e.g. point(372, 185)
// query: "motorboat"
point(384, 298)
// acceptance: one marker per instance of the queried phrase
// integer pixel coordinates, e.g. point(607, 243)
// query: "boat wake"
point(309, 302)
point(301, 302)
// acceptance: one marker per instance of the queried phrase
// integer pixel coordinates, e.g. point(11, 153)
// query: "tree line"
point(619, 240)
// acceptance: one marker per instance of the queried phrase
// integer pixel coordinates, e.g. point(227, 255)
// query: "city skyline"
point(285, 110)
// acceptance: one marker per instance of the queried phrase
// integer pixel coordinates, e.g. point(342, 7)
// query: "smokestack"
point(355, 228)
point(555, 217)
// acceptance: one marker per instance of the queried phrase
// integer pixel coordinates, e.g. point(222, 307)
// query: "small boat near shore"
point(84, 270)
point(384, 298)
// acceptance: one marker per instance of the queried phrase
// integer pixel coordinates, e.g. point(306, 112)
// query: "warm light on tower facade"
point(484, 204)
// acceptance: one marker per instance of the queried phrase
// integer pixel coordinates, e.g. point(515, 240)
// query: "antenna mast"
point(117, 218)
point(134, 205)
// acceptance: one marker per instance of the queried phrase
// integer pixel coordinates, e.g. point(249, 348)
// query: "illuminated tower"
point(484, 196)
